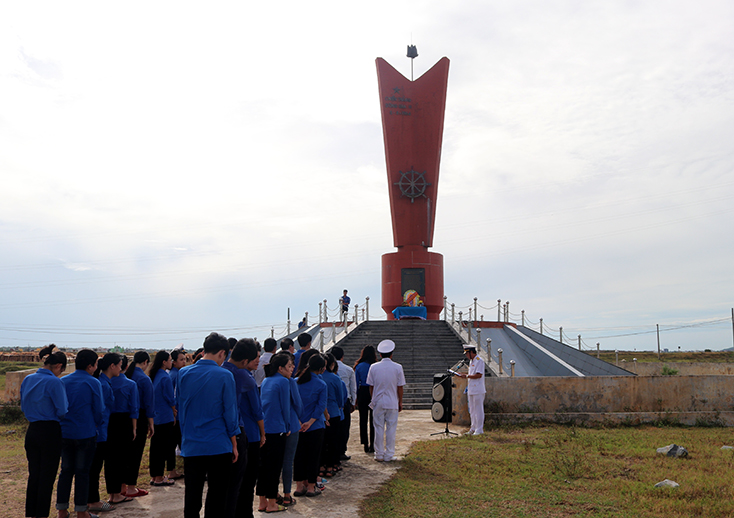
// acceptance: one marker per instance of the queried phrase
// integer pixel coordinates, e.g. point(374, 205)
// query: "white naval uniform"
point(475, 391)
point(385, 377)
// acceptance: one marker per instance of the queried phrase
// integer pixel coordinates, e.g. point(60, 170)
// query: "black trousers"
point(346, 424)
point(162, 449)
point(235, 478)
point(213, 469)
point(249, 480)
point(271, 462)
point(308, 454)
point(43, 451)
point(365, 417)
point(99, 456)
point(119, 444)
point(331, 450)
point(135, 455)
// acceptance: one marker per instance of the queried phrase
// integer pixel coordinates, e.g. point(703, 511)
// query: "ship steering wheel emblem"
point(412, 184)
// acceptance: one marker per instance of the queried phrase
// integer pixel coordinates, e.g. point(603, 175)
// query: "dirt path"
point(361, 476)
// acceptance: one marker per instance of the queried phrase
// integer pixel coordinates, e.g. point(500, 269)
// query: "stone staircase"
point(422, 347)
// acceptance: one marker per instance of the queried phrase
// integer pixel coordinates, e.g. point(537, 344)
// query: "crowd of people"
point(245, 419)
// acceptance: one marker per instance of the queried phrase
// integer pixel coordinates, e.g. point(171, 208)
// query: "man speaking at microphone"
point(475, 389)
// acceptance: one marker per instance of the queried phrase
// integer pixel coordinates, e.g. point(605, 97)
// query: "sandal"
point(126, 499)
point(279, 509)
point(103, 508)
point(300, 493)
point(315, 492)
point(289, 500)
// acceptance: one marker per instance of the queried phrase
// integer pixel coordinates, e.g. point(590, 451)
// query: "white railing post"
point(320, 315)
point(475, 311)
point(288, 328)
point(499, 310)
point(560, 332)
point(453, 315)
point(469, 314)
point(512, 368)
point(479, 339)
point(499, 359)
point(272, 332)
point(468, 329)
point(367, 306)
point(579, 342)
point(356, 314)
point(541, 326)
point(507, 314)
point(489, 349)
point(523, 318)
point(306, 315)
point(445, 308)
point(326, 314)
point(597, 350)
point(321, 341)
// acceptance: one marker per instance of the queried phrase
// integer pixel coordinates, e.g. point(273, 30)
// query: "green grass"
point(560, 471)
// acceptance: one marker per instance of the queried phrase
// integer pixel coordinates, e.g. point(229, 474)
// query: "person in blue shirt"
point(246, 357)
point(179, 362)
point(120, 433)
point(207, 405)
point(304, 344)
point(367, 357)
point(275, 392)
point(242, 378)
point(43, 401)
point(79, 433)
point(146, 427)
point(291, 442)
point(108, 367)
point(314, 395)
point(162, 444)
point(337, 396)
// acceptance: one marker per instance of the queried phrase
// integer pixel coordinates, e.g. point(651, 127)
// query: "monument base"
point(412, 268)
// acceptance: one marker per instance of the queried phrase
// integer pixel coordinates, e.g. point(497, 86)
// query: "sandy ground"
point(361, 476)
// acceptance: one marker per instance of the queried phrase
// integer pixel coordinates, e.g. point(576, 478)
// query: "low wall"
point(684, 369)
point(610, 394)
point(687, 399)
point(12, 384)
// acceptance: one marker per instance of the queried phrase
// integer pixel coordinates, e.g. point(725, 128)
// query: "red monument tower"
point(412, 124)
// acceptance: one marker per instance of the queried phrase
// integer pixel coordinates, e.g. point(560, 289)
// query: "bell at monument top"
point(412, 124)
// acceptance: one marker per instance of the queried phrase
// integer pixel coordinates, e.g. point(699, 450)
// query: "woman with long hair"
point(314, 395)
point(162, 444)
point(303, 363)
point(367, 357)
point(43, 401)
point(120, 434)
point(108, 367)
point(146, 427)
point(275, 392)
point(336, 397)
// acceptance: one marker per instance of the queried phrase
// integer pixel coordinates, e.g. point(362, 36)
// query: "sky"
point(168, 169)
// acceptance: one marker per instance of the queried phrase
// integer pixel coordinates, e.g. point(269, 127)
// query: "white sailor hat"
point(385, 347)
point(469, 346)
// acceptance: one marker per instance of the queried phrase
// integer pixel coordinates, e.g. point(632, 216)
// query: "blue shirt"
point(127, 399)
point(314, 395)
point(43, 397)
point(337, 394)
point(296, 407)
point(146, 392)
point(251, 408)
point(207, 409)
point(239, 383)
point(360, 372)
point(173, 374)
point(164, 399)
point(84, 393)
point(275, 392)
point(296, 360)
point(109, 402)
